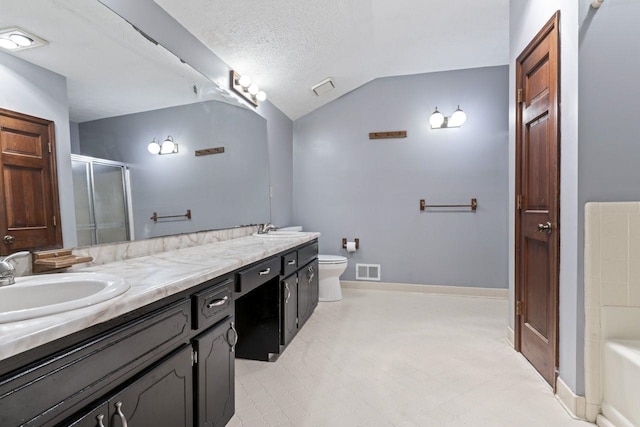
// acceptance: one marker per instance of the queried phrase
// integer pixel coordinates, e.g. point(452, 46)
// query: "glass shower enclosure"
point(101, 192)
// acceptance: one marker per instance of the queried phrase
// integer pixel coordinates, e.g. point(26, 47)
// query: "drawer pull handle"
point(235, 334)
point(218, 302)
point(267, 271)
point(123, 419)
point(286, 286)
point(292, 262)
point(100, 418)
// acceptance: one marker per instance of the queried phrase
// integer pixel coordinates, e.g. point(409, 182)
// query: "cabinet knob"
point(9, 239)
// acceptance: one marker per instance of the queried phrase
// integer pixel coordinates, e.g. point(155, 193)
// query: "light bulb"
point(437, 119)
point(457, 118)
point(153, 147)
point(8, 44)
point(168, 146)
point(253, 89)
point(244, 81)
point(21, 40)
point(261, 96)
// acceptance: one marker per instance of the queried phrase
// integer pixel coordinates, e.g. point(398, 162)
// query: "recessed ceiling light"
point(8, 44)
point(21, 40)
point(15, 39)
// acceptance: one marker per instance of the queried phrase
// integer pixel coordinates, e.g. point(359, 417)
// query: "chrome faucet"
point(7, 270)
point(265, 228)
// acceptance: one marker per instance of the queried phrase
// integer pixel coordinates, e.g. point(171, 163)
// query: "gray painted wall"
point(74, 129)
point(222, 190)
point(609, 154)
point(280, 137)
point(32, 90)
point(346, 185)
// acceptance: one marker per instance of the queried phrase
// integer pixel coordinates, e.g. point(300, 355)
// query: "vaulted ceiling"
point(287, 46)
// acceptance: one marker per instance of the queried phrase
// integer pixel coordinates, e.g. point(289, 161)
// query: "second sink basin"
point(277, 234)
point(36, 296)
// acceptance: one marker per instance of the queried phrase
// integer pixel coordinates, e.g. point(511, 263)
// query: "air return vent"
point(323, 87)
point(368, 272)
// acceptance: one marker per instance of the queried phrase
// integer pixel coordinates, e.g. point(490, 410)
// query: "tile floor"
point(381, 358)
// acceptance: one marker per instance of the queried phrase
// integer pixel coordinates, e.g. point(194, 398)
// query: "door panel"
point(538, 195)
point(289, 297)
point(29, 210)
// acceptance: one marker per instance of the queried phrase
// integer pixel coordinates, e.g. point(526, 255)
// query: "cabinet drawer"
point(213, 304)
point(289, 263)
point(307, 253)
point(255, 276)
point(64, 383)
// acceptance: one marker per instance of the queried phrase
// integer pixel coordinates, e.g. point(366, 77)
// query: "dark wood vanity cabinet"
point(299, 291)
point(171, 363)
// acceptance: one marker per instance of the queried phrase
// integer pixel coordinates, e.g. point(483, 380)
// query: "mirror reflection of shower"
point(101, 193)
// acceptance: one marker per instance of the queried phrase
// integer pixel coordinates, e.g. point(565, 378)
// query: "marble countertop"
point(151, 278)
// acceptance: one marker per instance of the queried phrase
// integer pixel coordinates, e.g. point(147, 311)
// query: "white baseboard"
point(574, 404)
point(602, 421)
point(428, 289)
point(511, 338)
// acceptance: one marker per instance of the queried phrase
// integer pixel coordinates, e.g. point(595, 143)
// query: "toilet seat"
point(331, 259)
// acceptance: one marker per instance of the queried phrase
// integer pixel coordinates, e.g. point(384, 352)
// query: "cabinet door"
point(311, 274)
point(289, 304)
point(96, 418)
point(161, 397)
point(305, 306)
point(215, 375)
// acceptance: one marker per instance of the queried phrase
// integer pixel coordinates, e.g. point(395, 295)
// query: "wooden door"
point(538, 201)
point(29, 210)
point(215, 375)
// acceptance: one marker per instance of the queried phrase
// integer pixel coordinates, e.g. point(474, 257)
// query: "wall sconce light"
point(242, 86)
point(167, 147)
point(439, 121)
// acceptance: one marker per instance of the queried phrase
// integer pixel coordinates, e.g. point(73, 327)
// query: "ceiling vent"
point(323, 87)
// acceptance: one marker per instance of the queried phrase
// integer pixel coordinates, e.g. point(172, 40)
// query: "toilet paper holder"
point(344, 243)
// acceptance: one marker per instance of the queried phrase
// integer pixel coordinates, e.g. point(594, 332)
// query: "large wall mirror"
point(124, 91)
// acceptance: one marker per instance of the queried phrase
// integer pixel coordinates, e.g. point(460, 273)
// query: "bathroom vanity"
point(163, 353)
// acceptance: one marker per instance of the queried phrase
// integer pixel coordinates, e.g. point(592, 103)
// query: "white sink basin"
point(277, 234)
point(36, 296)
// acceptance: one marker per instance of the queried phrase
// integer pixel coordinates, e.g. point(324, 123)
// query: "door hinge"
point(519, 92)
point(49, 147)
point(55, 222)
point(519, 201)
point(194, 357)
point(518, 308)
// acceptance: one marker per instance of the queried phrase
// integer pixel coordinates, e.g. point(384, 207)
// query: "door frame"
point(551, 26)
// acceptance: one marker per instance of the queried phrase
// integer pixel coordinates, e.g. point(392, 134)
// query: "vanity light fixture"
point(439, 121)
point(14, 39)
point(167, 147)
point(242, 86)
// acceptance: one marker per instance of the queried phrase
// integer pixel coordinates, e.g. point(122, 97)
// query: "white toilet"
point(330, 267)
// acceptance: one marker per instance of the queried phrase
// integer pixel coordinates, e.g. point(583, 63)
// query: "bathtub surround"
point(348, 185)
point(612, 279)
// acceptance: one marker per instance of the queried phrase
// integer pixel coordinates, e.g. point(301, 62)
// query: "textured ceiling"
point(287, 46)
point(111, 70)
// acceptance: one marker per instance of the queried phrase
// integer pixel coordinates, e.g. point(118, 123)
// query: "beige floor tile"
point(380, 358)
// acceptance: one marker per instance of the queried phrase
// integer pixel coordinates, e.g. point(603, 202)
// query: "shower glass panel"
point(100, 189)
